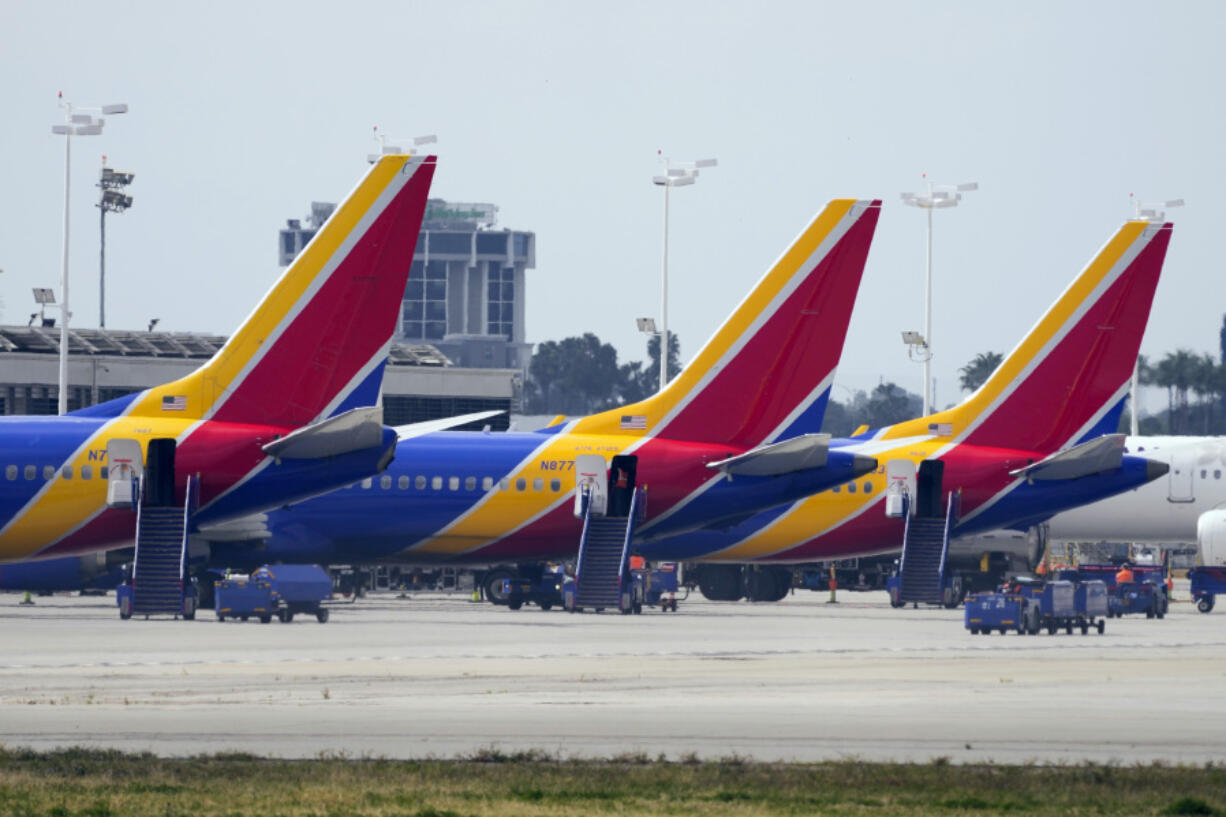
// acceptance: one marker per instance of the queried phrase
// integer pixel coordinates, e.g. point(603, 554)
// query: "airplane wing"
point(429, 426)
point(1105, 453)
point(796, 454)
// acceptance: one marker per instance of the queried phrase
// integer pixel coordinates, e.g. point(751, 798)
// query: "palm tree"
point(975, 373)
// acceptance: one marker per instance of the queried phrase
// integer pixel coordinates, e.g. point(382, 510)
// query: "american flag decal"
point(177, 402)
point(634, 421)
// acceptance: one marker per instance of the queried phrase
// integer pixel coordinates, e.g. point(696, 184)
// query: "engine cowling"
point(1009, 550)
point(1211, 537)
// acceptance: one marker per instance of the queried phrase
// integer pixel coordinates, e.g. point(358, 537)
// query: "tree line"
point(581, 375)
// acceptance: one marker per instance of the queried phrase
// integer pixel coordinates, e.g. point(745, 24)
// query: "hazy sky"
point(242, 113)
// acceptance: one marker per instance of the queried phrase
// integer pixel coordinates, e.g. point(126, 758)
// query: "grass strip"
point(101, 783)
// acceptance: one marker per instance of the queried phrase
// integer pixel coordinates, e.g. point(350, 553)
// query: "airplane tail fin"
point(1068, 379)
point(316, 345)
point(766, 373)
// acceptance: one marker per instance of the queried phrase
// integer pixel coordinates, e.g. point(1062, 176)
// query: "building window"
point(425, 301)
point(501, 299)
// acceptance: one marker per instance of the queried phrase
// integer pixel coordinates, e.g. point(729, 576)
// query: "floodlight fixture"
point(44, 296)
point(647, 325)
point(936, 197)
point(913, 339)
point(676, 174)
point(78, 121)
point(389, 148)
point(428, 139)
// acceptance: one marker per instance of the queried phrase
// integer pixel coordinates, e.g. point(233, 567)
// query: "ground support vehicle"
point(1207, 583)
point(1137, 597)
point(545, 592)
point(1002, 612)
point(274, 590)
point(1054, 603)
point(1147, 594)
point(1091, 602)
point(661, 585)
point(187, 603)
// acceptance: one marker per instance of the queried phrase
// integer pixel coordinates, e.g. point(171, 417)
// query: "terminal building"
point(460, 347)
point(419, 383)
point(465, 294)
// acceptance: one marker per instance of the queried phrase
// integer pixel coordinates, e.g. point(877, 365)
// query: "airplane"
point(287, 409)
point(1187, 508)
point(1027, 444)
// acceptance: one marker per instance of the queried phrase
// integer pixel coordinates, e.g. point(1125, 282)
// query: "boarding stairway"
point(924, 552)
point(161, 552)
point(602, 569)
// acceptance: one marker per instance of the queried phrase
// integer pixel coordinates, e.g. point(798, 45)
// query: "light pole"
point(75, 124)
point(388, 150)
point(676, 174)
point(112, 200)
point(938, 196)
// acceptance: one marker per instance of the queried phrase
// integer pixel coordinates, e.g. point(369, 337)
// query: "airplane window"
point(521, 484)
point(470, 483)
point(103, 472)
point(837, 488)
point(10, 473)
point(868, 487)
point(538, 484)
point(851, 487)
point(385, 482)
point(1217, 474)
point(437, 483)
point(403, 483)
point(504, 485)
point(1204, 474)
point(420, 483)
point(366, 483)
point(487, 483)
point(453, 484)
point(67, 472)
point(555, 485)
point(87, 472)
point(29, 472)
point(48, 472)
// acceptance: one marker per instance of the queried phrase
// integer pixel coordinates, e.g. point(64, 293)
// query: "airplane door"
point(125, 466)
point(928, 496)
point(1181, 487)
point(900, 482)
point(591, 472)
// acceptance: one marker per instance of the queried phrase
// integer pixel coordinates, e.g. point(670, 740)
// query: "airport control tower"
point(465, 294)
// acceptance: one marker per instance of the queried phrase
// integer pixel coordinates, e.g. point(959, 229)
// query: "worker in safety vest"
point(1124, 576)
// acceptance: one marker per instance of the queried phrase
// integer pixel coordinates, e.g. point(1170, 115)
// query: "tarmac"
point(437, 675)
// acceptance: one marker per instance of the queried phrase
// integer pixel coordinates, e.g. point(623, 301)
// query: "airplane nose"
point(861, 465)
point(1155, 469)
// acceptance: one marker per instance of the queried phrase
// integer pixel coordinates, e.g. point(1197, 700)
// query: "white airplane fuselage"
point(1164, 511)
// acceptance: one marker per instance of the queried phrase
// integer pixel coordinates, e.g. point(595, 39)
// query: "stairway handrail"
point(951, 512)
point(906, 531)
point(140, 503)
point(630, 526)
point(188, 507)
point(586, 500)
